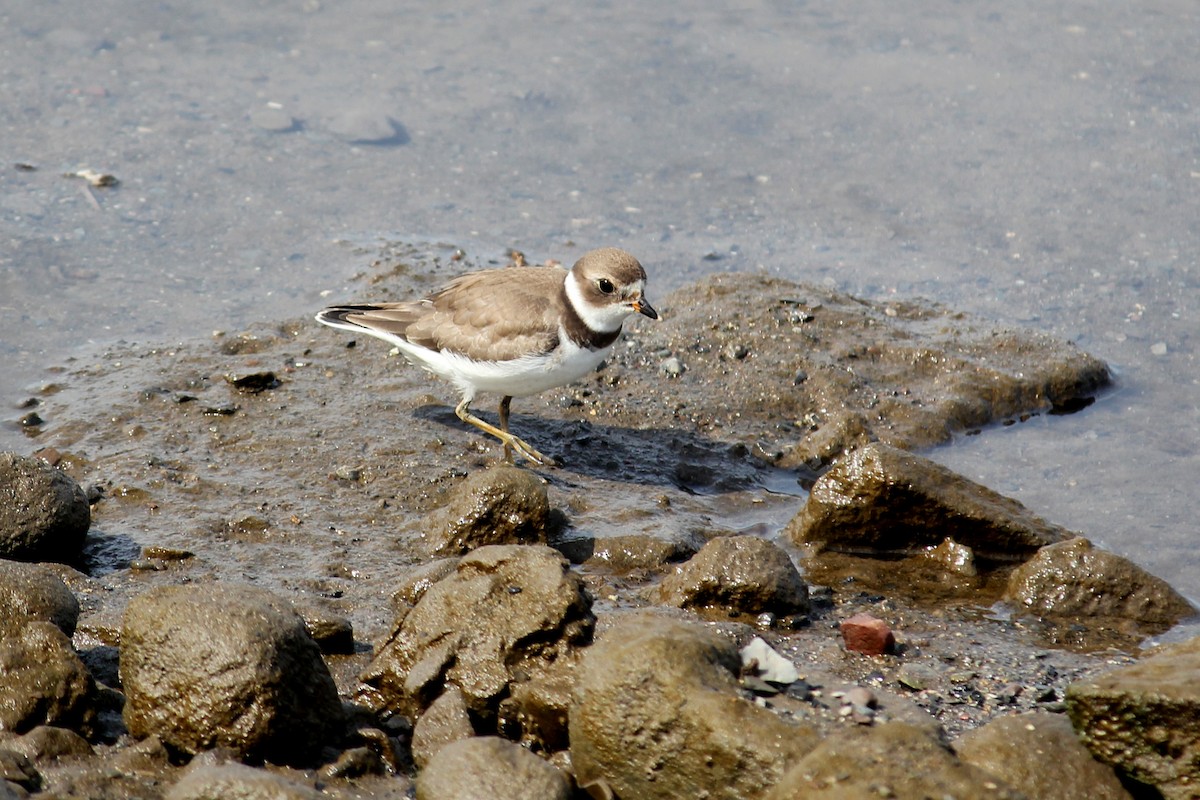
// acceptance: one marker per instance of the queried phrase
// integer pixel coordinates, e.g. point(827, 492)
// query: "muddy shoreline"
point(291, 460)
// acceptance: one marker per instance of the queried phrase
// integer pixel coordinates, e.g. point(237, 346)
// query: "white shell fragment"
point(769, 666)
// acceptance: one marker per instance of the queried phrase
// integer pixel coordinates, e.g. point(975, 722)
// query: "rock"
point(537, 713)
point(17, 771)
point(892, 759)
point(868, 635)
point(32, 591)
point(501, 505)
point(42, 679)
point(953, 558)
point(355, 762)
point(1040, 755)
point(49, 743)
point(237, 782)
point(859, 705)
point(506, 610)
point(861, 696)
point(1076, 579)
point(226, 666)
point(1144, 719)
point(445, 721)
point(419, 579)
point(44, 513)
point(332, 632)
point(627, 552)
point(743, 574)
point(764, 663)
point(918, 677)
point(658, 714)
point(490, 768)
point(367, 125)
point(881, 500)
point(273, 119)
point(672, 367)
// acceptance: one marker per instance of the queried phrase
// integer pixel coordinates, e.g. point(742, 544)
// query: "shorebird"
point(515, 331)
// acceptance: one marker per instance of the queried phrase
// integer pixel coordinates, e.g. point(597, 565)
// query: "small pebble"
point(272, 119)
point(672, 367)
point(368, 125)
point(1159, 348)
point(253, 382)
point(347, 473)
point(166, 553)
point(736, 351)
point(861, 696)
point(1009, 693)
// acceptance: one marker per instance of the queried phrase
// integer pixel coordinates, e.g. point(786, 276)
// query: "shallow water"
point(1035, 166)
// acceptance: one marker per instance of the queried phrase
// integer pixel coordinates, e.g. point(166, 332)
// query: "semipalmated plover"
point(516, 331)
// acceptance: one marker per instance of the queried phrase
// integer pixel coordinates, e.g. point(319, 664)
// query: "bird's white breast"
point(519, 377)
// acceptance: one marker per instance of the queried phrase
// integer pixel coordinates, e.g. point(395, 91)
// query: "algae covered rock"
point(226, 666)
point(881, 500)
point(1040, 755)
point(658, 714)
point(894, 759)
point(1076, 579)
point(32, 591)
point(501, 505)
point(42, 679)
point(505, 611)
point(490, 768)
point(1144, 719)
point(737, 574)
point(44, 513)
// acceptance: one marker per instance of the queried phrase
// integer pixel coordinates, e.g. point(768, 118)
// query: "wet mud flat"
point(429, 620)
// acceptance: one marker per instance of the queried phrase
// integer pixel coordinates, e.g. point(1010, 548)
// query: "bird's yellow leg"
point(463, 410)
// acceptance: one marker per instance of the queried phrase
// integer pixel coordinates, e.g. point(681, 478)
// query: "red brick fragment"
point(867, 635)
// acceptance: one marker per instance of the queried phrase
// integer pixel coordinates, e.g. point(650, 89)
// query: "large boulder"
point(34, 592)
point(226, 666)
point(1075, 579)
point(895, 759)
point(501, 505)
point(1144, 719)
point(658, 714)
point(739, 574)
point(506, 611)
point(490, 768)
point(884, 501)
point(1040, 755)
point(44, 513)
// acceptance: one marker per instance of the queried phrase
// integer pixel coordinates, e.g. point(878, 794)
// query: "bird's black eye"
point(605, 286)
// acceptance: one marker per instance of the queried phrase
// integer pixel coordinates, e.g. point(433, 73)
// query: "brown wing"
point(492, 315)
